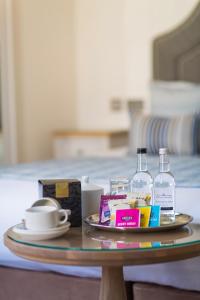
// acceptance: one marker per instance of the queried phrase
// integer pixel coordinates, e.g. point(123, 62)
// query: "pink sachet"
point(128, 218)
point(127, 245)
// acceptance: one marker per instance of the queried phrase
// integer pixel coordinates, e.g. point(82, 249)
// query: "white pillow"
point(172, 98)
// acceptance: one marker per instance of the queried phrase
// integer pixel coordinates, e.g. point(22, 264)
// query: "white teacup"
point(45, 217)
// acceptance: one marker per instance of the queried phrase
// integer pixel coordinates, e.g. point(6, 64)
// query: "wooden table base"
point(112, 284)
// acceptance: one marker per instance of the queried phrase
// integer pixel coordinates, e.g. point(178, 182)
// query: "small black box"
point(68, 193)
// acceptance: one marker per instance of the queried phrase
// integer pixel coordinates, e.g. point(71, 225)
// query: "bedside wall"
point(113, 46)
point(73, 56)
point(44, 63)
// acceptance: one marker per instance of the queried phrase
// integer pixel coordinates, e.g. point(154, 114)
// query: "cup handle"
point(64, 213)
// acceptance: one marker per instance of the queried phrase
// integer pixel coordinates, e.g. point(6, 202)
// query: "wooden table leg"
point(112, 284)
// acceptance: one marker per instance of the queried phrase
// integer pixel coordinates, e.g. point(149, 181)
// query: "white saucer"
point(39, 235)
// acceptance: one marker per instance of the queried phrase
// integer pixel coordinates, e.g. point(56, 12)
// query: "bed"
point(176, 57)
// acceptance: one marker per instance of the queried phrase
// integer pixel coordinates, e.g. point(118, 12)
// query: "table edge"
point(101, 258)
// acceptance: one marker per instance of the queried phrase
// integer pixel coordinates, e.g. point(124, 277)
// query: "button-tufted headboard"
point(176, 54)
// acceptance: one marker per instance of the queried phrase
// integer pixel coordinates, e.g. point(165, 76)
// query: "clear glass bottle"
point(164, 189)
point(142, 181)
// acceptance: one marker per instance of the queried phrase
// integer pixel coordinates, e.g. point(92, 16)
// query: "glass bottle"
point(164, 189)
point(142, 182)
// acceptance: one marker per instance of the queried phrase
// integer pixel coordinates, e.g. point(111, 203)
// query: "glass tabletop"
point(86, 238)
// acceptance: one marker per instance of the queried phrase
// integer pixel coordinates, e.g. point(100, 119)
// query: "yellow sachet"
point(145, 245)
point(144, 215)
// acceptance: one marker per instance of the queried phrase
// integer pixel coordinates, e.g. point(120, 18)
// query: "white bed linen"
point(184, 274)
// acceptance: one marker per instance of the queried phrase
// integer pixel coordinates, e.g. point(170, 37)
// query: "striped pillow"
point(181, 135)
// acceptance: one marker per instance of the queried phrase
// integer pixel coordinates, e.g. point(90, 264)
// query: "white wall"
point(44, 58)
point(73, 56)
point(113, 44)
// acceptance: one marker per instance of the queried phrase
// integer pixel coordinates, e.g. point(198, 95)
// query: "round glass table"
point(86, 246)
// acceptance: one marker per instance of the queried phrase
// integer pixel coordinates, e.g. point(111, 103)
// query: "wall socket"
point(116, 104)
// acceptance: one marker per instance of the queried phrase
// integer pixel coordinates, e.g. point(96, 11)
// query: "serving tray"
point(180, 220)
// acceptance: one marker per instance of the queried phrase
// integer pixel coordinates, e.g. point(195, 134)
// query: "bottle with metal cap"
point(164, 189)
point(142, 181)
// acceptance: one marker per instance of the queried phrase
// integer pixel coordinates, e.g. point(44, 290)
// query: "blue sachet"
point(155, 216)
